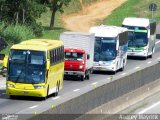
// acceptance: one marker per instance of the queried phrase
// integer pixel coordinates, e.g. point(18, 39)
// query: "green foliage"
point(132, 8)
point(37, 29)
point(73, 7)
point(55, 5)
point(15, 34)
point(20, 11)
point(126, 10)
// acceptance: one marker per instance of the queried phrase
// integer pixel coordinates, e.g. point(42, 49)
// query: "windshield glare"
point(26, 66)
point(74, 56)
point(105, 49)
point(137, 39)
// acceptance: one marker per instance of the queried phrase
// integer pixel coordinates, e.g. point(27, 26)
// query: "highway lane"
point(150, 105)
point(71, 89)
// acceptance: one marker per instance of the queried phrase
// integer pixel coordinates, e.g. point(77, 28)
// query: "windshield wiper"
point(19, 76)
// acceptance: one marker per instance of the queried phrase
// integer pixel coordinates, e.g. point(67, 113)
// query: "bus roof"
point(139, 22)
point(107, 31)
point(38, 44)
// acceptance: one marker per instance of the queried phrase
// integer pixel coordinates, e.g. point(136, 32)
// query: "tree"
point(21, 11)
point(55, 5)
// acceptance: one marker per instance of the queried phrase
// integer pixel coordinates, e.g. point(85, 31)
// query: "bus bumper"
point(104, 68)
point(22, 92)
point(137, 54)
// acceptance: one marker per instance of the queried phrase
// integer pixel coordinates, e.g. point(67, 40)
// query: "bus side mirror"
point(48, 64)
point(5, 61)
point(88, 56)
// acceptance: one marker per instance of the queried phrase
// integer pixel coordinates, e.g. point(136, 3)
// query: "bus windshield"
point(26, 66)
point(137, 39)
point(105, 49)
point(74, 56)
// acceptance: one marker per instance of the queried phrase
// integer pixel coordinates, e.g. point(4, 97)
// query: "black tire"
point(122, 67)
point(12, 96)
point(88, 76)
point(82, 78)
point(57, 89)
point(153, 50)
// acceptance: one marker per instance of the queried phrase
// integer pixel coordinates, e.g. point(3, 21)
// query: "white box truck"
point(79, 51)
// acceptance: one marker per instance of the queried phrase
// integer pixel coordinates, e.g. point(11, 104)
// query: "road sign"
point(152, 7)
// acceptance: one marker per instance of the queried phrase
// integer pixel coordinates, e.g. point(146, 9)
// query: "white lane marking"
point(152, 106)
point(123, 73)
point(137, 67)
point(33, 106)
point(158, 42)
point(149, 62)
point(55, 98)
point(94, 83)
point(76, 90)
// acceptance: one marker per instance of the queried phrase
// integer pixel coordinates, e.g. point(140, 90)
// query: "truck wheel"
point(82, 78)
point(87, 77)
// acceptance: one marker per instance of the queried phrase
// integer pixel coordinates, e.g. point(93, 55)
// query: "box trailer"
point(79, 50)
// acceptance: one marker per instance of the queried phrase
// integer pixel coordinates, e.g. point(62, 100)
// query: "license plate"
point(24, 92)
point(99, 68)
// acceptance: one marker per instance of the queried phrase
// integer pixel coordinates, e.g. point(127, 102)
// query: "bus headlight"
point(39, 87)
point(10, 85)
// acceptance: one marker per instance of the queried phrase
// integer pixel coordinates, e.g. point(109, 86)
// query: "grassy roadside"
point(73, 7)
point(131, 8)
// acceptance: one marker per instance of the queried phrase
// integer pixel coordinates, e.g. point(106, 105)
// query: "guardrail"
point(73, 108)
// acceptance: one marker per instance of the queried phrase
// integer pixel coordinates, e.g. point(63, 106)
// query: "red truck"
point(79, 50)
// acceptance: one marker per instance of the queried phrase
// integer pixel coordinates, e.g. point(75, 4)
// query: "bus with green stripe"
point(141, 36)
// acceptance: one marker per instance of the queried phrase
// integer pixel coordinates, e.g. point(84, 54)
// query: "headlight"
point(113, 62)
point(10, 85)
point(81, 66)
point(39, 87)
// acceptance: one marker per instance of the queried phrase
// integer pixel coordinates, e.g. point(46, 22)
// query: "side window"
point(51, 57)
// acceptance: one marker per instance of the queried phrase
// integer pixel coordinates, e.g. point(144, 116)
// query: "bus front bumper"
point(24, 92)
point(104, 68)
point(137, 54)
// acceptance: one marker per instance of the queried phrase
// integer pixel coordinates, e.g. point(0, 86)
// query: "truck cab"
point(75, 63)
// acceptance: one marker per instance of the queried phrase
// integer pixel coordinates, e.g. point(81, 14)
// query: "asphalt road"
point(71, 89)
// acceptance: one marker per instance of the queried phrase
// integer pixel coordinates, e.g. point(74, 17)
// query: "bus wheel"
point(57, 89)
point(153, 50)
point(12, 97)
point(122, 67)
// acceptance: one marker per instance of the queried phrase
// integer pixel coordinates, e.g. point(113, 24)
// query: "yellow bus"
point(35, 68)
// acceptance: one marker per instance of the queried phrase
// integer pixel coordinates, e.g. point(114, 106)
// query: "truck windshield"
point(26, 66)
point(105, 49)
point(74, 56)
point(137, 39)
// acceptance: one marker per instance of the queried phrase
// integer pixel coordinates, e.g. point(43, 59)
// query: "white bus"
point(110, 52)
point(141, 36)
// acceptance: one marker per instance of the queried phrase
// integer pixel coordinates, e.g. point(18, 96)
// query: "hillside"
point(85, 18)
point(79, 17)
